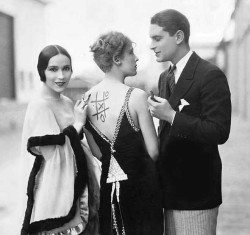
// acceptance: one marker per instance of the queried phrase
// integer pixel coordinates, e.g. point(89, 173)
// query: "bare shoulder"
point(93, 89)
point(138, 100)
point(91, 92)
point(138, 95)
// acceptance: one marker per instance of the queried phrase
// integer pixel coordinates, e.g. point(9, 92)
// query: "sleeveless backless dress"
point(130, 198)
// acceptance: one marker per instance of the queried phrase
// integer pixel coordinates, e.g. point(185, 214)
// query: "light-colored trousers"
point(188, 222)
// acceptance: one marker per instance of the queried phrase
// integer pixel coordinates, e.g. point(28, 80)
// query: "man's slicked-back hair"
point(172, 20)
point(46, 54)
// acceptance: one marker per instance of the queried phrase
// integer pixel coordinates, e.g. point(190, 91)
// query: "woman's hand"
point(80, 110)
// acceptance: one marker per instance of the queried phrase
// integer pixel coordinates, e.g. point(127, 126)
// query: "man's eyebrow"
point(156, 36)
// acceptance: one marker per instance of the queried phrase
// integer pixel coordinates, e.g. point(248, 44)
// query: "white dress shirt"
point(180, 65)
point(179, 68)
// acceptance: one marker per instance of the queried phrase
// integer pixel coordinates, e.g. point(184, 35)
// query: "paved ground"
point(234, 216)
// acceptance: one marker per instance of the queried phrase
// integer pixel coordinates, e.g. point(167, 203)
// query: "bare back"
point(105, 105)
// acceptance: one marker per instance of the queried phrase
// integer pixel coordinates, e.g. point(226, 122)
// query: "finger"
point(85, 107)
point(150, 110)
point(77, 103)
point(83, 96)
point(81, 104)
point(150, 101)
point(86, 98)
point(152, 113)
point(159, 99)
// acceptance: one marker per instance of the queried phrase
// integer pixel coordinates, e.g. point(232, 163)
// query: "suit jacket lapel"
point(185, 81)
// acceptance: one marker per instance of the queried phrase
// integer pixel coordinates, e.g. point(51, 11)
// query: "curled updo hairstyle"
point(45, 55)
point(108, 46)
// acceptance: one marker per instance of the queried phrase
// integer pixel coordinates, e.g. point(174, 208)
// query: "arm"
point(213, 125)
point(80, 110)
point(146, 123)
point(92, 144)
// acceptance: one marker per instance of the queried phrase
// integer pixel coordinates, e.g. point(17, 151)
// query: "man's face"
point(163, 45)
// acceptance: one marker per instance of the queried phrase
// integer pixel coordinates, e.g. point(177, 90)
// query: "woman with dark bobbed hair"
point(121, 133)
point(57, 185)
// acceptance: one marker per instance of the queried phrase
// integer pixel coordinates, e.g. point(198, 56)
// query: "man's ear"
point(179, 37)
point(116, 60)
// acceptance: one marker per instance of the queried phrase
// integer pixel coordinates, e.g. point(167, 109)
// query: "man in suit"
point(195, 117)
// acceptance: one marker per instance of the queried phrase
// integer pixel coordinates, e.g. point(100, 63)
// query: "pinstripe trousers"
point(188, 222)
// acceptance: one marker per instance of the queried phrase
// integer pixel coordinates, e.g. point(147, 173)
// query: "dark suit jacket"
point(189, 162)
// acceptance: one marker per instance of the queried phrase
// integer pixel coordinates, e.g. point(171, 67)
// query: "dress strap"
point(118, 124)
point(131, 122)
point(128, 94)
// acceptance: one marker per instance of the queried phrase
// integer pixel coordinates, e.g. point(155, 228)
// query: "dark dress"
point(139, 210)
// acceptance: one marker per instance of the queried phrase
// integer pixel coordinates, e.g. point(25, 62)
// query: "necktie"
point(171, 78)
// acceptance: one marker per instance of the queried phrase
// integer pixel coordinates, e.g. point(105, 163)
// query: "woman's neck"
point(49, 93)
point(114, 77)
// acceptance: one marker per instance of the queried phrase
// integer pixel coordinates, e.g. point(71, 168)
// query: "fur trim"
point(45, 140)
point(80, 180)
point(31, 183)
point(81, 134)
